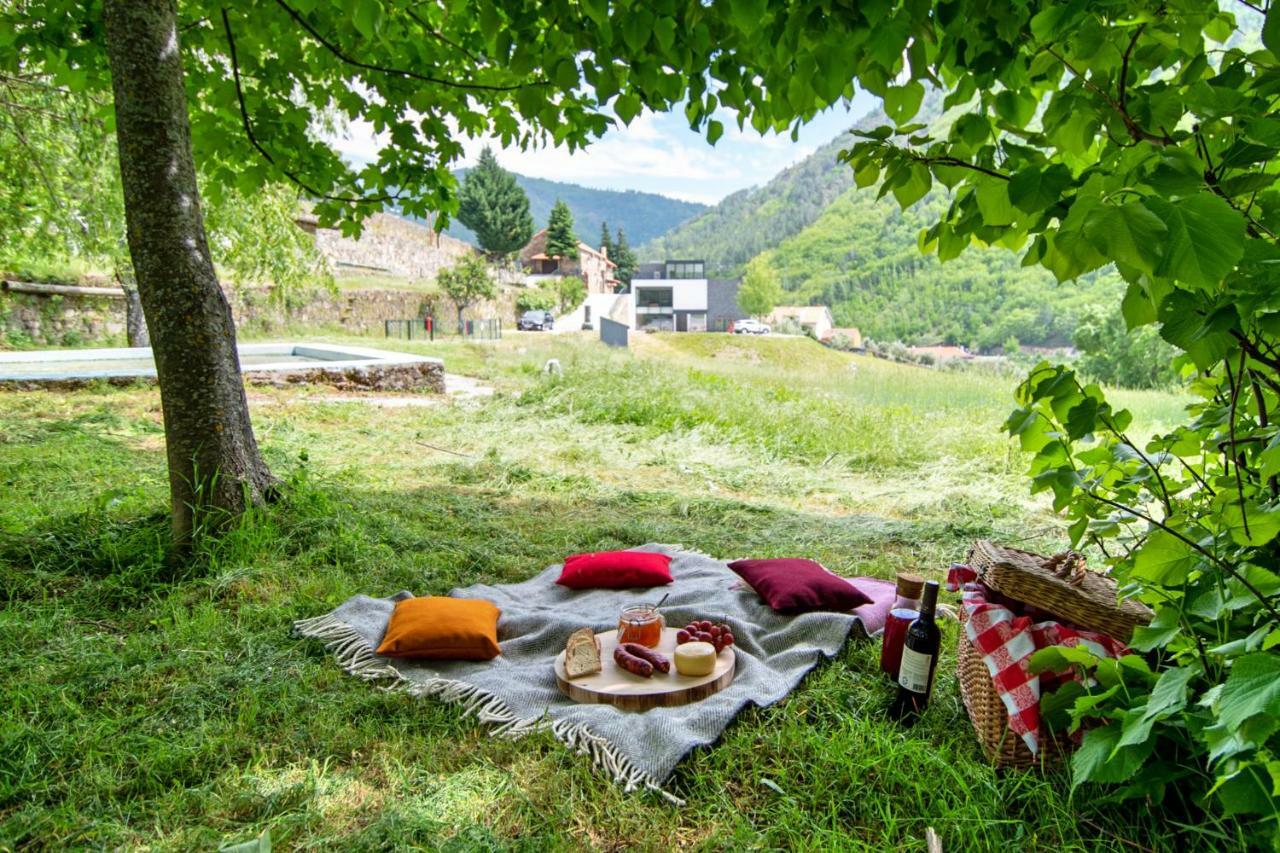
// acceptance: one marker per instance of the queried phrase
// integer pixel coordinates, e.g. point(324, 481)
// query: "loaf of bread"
point(582, 654)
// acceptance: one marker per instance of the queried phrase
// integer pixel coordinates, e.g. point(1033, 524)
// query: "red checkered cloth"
point(1006, 642)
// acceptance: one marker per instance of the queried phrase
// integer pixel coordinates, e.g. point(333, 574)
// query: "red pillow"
point(615, 570)
point(799, 586)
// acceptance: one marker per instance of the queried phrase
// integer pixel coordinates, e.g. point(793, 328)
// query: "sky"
point(658, 153)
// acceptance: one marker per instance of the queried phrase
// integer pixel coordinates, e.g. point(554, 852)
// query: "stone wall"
point(388, 245)
point(57, 320)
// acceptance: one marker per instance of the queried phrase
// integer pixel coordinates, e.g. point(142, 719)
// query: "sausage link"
point(631, 663)
point(659, 661)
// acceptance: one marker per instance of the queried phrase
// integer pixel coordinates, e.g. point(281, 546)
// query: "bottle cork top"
point(910, 585)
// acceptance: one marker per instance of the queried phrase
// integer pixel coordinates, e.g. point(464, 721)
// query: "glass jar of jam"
point(641, 623)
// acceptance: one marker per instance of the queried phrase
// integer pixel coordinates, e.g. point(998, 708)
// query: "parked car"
point(536, 321)
point(750, 327)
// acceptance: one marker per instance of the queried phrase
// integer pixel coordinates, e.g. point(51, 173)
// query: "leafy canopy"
point(494, 206)
point(1142, 135)
point(760, 290)
point(467, 282)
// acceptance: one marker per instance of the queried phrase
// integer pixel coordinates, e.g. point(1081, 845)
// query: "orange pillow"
point(441, 628)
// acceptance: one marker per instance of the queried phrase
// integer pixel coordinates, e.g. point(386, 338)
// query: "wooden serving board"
point(613, 685)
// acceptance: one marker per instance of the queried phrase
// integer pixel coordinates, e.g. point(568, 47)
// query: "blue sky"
point(658, 153)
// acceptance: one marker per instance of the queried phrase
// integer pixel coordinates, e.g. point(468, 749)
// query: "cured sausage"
point(633, 664)
point(660, 662)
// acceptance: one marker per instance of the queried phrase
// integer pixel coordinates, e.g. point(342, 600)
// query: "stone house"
point(592, 265)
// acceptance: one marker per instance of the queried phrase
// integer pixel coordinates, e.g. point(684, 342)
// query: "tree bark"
point(135, 322)
point(215, 468)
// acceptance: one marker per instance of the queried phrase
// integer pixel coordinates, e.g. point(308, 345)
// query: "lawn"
point(167, 706)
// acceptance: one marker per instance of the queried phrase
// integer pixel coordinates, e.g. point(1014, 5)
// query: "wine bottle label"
point(913, 672)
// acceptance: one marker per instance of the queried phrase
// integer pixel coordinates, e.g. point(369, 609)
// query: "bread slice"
point(582, 654)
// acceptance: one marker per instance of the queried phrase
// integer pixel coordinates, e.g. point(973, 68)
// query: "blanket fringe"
point(355, 658)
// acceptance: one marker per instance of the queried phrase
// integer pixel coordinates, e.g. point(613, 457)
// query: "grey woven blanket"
point(517, 692)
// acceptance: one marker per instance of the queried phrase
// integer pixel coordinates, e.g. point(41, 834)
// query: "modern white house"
point(677, 296)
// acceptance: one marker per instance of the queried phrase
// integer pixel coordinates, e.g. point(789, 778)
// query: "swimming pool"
point(274, 364)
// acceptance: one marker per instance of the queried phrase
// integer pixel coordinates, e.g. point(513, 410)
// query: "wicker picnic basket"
point(1060, 585)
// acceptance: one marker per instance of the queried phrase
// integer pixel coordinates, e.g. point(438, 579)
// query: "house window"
point(653, 300)
point(686, 269)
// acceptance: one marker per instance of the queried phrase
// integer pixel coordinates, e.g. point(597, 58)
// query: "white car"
point(750, 327)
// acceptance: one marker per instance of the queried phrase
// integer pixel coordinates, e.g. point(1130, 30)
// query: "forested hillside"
point(834, 244)
point(642, 216)
point(862, 258)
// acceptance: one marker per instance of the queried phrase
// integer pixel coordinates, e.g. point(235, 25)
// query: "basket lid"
point(1062, 585)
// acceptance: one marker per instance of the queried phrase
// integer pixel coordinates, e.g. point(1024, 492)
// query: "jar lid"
point(910, 585)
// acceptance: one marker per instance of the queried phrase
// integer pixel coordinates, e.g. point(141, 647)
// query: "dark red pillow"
point(798, 586)
point(615, 570)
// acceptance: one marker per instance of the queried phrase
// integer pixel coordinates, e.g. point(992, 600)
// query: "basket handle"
point(1068, 565)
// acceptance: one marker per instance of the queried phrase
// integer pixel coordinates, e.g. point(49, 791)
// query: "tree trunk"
point(461, 307)
point(135, 323)
point(215, 469)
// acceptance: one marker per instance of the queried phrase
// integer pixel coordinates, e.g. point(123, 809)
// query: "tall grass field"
point(166, 706)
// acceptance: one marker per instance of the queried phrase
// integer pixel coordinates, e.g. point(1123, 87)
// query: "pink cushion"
point(798, 586)
point(615, 570)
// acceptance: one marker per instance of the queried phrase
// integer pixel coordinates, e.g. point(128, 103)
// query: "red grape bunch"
point(717, 634)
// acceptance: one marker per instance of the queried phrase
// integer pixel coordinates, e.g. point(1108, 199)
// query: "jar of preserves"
point(641, 623)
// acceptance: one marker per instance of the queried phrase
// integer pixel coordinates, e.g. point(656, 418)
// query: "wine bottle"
point(919, 659)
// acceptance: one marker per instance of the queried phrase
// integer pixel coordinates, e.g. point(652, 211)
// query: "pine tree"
point(562, 242)
point(624, 258)
point(494, 206)
point(606, 241)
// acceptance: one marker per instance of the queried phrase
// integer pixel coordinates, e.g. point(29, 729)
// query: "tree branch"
point(1257, 593)
point(397, 72)
point(1231, 428)
point(1137, 132)
point(955, 161)
point(266, 155)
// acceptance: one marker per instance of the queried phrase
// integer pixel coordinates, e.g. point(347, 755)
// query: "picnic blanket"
point(1006, 642)
point(516, 692)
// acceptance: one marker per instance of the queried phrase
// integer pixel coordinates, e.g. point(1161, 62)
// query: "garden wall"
point(96, 316)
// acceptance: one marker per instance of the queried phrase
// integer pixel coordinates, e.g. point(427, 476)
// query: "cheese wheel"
point(695, 659)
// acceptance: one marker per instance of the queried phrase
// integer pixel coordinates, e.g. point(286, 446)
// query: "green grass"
point(167, 706)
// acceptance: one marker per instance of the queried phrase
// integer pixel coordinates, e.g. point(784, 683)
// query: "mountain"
point(642, 216)
point(833, 244)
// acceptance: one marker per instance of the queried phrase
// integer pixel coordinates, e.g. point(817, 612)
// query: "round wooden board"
point(613, 685)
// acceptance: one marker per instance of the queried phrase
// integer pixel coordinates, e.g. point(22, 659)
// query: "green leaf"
point(1016, 107)
point(1271, 30)
point(1205, 239)
point(627, 107)
point(993, 202)
point(715, 130)
point(1128, 233)
point(1247, 791)
point(1100, 758)
point(1163, 559)
point(1136, 308)
point(1251, 524)
point(1032, 190)
point(1170, 693)
point(902, 102)
point(1253, 687)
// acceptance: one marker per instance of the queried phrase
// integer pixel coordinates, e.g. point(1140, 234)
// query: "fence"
point(483, 330)
point(422, 329)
